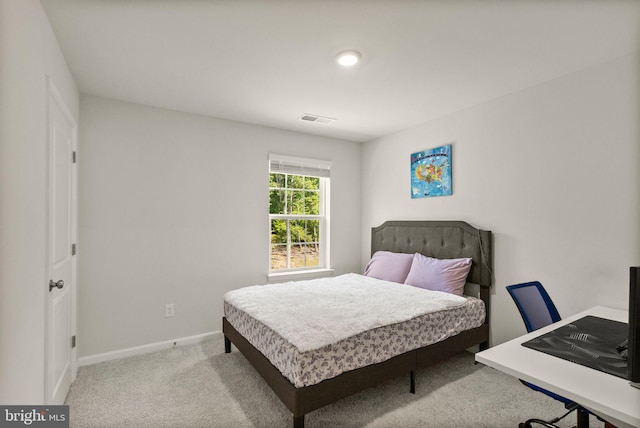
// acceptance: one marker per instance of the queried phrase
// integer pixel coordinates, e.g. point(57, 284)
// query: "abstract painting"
point(431, 172)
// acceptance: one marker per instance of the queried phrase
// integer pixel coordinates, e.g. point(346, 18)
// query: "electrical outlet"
point(169, 310)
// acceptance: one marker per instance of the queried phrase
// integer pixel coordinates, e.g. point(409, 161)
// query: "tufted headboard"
point(441, 240)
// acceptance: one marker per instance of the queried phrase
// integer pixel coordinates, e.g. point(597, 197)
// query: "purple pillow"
point(389, 266)
point(447, 275)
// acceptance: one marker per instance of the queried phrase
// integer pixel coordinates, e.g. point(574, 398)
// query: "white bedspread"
point(315, 313)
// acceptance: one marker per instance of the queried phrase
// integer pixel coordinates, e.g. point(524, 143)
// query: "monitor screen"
point(633, 352)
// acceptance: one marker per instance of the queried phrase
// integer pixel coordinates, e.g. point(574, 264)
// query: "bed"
point(301, 395)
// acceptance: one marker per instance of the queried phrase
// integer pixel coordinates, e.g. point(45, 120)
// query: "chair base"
point(527, 424)
point(582, 419)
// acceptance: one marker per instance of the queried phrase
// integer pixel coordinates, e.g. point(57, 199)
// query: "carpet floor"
point(201, 386)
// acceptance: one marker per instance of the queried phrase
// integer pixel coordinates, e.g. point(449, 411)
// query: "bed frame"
point(439, 239)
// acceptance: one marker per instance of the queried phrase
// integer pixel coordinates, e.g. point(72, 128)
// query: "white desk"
point(610, 397)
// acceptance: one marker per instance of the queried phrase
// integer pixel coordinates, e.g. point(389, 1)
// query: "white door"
point(60, 358)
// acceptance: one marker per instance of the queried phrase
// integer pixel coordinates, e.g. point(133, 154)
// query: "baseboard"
point(145, 349)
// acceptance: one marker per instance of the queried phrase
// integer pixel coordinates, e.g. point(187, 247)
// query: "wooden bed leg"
point(227, 345)
point(412, 381)
point(298, 421)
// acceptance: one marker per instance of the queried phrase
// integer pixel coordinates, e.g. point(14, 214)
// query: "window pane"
point(313, 256)
point(313, 231)
point(312, 183)
point(276, 180)
point(279, 256)
point(277, 202)
point(312, 203)
point(278, 231)
point(295, 181)
point(304, 256)
point(305, 231)
point(297, 256)
point(295, 202)
point(298, 230)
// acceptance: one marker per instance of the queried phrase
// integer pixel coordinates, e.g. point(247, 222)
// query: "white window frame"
point(310, 168)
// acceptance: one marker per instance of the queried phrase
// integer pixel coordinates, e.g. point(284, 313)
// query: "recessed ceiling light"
point(348, 58)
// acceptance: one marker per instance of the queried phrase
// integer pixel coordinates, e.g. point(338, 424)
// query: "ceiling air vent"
point(316, 119)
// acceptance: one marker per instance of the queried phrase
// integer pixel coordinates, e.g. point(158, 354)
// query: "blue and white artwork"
point(431, 172)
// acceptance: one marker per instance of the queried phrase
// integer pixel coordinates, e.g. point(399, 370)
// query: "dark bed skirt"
point(309, 398)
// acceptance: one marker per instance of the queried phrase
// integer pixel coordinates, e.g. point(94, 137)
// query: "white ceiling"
point(270, 61)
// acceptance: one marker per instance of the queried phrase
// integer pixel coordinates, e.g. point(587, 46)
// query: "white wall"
point(551, 170)
point(28, 52)
point(174, 209)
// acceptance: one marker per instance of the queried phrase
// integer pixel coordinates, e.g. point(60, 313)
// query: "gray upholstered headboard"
point(439, 239)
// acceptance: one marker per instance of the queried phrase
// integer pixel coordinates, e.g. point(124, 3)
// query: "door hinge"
point(73, 249)
point(74, 157)
point(73, 341)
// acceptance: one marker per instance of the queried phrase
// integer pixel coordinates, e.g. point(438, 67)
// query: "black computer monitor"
point(633, 356)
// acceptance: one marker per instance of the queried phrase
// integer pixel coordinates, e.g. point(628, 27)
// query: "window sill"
point(298, 275)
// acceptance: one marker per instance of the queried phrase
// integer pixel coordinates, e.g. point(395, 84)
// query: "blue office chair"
point(537, 310)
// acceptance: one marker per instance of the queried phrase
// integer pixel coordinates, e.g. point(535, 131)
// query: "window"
point(298, 213)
